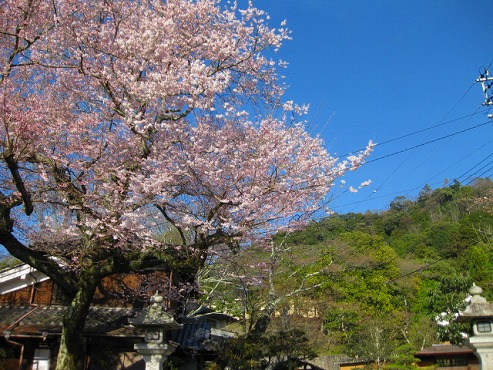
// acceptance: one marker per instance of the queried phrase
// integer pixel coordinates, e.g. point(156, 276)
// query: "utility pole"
point(487, 83)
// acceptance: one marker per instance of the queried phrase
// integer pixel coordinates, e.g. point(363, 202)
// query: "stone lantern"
point(156, 323)
point(479, 313)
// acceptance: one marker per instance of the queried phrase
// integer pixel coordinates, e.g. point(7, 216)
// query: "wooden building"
point(447, 356)
point(31, 310)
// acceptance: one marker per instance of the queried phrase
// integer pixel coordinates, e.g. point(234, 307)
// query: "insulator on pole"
point(487, 84)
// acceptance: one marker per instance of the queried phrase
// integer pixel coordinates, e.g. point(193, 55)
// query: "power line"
point(434, 152)
point(464, 158)
point(483, 174)
point(477, 164)
point(382, 196)
point(429, 142)
point(471, 178)
point(431, 128)
point(371, 195)
point(426, 129)
point(414, 133)
point(407, 191)
point(417, 270)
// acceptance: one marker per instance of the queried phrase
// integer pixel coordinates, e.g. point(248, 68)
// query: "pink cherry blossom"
point(119, 117)
point(124, 119)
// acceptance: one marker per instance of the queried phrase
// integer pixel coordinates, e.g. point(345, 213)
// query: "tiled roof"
point(193, 334)
point(196, 333)
point(48, 319)
point(447, 349)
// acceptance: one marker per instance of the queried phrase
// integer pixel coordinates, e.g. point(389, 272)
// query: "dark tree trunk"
point(72, 352)
point(262, 323)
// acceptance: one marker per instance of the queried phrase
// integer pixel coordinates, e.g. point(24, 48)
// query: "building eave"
point(19, 277)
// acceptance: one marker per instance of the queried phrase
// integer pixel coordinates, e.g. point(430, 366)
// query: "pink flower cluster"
point(124, 116)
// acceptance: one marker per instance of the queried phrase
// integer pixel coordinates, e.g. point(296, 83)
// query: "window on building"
point(41, 359)
point(449, 362)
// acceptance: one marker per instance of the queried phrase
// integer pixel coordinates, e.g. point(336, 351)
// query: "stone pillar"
point(483, 349)
point(154, 354)
point(156, 323)
point(479, 313)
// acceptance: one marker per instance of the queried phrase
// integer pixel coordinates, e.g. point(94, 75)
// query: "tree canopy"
point(121, 119)
point(382, 285)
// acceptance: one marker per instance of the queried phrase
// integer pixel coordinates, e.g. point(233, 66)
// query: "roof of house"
point(332, 362)
point(18, 277)
point(444, 349)
point(47, 320)
point(193, 334)
point(42, 321)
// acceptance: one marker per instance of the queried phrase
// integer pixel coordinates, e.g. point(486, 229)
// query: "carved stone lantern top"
point(155, 316)
point(478, 307)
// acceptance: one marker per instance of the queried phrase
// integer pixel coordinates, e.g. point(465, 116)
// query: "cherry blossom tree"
point(122, 117)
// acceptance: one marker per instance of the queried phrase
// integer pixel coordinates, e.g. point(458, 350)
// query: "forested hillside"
point(378, 285)
point(374, 285)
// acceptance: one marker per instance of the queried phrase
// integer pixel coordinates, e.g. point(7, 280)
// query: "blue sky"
point(383, 69)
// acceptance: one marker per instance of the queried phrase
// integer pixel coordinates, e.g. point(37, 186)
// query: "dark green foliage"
point(444, 300)
point(341, 323)
point(376, 341)
point(403, 358)
point(448, 239)
point(400, 204)
point(391, 223)
point(283, 350)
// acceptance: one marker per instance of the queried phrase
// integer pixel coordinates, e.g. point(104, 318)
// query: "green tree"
point(444, 301)
point(283, 350)
point(375, 341)
point(341, 322)
point(407, 270)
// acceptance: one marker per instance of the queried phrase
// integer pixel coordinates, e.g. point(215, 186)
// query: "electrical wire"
point(417, 270)
point(476, 175)
point(472, 168)
point(483, 174)
point(462, 178)
point(429, 142)
point(383, 196)
point(432, 128)
point(415, 132)
point(412, 148)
